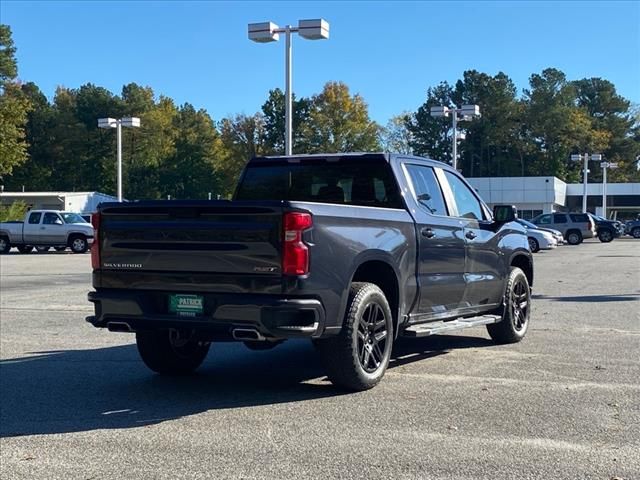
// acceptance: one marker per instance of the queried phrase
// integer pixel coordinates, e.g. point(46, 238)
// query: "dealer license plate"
point(187, 305)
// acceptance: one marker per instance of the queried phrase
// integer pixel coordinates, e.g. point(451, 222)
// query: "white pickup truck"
point(44, 229)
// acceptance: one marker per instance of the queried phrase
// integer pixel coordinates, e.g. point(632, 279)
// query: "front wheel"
point(515, 312)
point(574, 237)
point(533, 245)
point(78, 244)
point(170, 352)
point(357, 358)
point(605, 235)
point(636, 232)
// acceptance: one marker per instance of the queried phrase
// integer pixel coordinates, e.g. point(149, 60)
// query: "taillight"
point(95, 247)
point(295, 254)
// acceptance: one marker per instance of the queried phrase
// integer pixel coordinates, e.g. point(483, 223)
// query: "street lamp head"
point(596, 157)
point(263, 32)
point(107, 123)
point(317, 29)
point(576, 157)
point(470, 110)
point(130, 122)
point(439, 111)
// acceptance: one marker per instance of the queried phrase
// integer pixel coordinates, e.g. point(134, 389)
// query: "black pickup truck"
point(348, 250)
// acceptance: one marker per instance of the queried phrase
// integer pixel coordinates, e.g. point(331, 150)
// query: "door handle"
point(470, 235)
point(427, 232)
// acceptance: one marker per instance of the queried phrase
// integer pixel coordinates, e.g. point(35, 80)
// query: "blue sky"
point(389, 52)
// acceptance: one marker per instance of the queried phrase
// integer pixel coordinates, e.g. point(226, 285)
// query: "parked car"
point(607, 229)
point(575, 227)
point(632, 228)
point(46, 228)
point(538, 239)
point(348, 250)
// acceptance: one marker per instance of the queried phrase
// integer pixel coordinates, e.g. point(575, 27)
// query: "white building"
point(535, 195)
point(79, 202)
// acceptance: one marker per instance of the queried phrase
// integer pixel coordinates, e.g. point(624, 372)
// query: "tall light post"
point(466, 112)
point(265, 32)
point(594, 157)
point(118, 124)
point(604, 166)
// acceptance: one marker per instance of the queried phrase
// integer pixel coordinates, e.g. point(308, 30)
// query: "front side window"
point(466, 202)
point(51, 219)
point(544, 220)
point(34, 218)
point(428, 193)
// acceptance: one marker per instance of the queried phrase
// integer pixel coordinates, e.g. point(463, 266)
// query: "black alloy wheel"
point(372, 337)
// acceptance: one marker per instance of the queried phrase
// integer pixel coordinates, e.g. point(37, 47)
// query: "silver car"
point(575, 227)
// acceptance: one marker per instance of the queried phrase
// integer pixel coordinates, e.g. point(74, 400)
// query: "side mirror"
point(505, 213)
point(58, 221)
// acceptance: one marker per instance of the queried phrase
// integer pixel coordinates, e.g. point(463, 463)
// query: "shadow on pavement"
point(81, 390)
point(623, 297)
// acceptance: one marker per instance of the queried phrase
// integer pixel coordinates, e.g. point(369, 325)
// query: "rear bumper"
point(272, 316)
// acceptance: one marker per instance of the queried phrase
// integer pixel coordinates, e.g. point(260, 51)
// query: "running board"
point(433, 328)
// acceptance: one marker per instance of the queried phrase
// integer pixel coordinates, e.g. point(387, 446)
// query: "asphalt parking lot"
point(77, 403)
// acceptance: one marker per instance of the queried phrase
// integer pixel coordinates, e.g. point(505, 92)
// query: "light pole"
point(265, 32)
point(118, 124)
point(604, 166)
point(467, 112)
point(594, 157)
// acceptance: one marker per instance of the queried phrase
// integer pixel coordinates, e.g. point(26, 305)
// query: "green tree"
point(430, 135)
point(395, 137)
point(339, 122)
point(242, 138)
point(13, 108)
point(273, 113)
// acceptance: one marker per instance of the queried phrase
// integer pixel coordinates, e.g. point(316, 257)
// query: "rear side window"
point(349, 182)
point(579, 217)
point(34, 218)
point(427, 189)
point(543, 220)
point(559, 218)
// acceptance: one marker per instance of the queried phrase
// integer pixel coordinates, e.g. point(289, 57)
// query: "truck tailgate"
point(188, 236)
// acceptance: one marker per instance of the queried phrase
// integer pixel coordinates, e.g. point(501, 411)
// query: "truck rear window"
point(348, 182)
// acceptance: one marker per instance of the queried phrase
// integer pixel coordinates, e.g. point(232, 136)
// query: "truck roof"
point(388, 157)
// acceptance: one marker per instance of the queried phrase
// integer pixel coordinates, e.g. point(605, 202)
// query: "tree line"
point(181, 151)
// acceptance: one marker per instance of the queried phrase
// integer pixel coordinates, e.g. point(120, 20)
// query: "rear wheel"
point(574, 237)
point(636, 232)
point(25, 248)
point(78, 244)
point(515, 312)
point(357, 358)
point(170, 352)
point(5, 245)
point(605, 235)
point(533, 245)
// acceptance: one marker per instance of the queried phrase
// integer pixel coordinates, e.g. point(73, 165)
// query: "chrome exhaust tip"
point(119, 327)
point(244, 334)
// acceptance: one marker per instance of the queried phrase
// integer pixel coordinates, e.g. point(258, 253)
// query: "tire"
point(24, 249)
point(533, 245)
point(574, 237)
point(515, 313)
point(357, 358)
point(167, 354)
point(78, 244)
point(635, 232)
point(605, 235)
point(60, 249)
point(5, 245)
point(42, 249)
